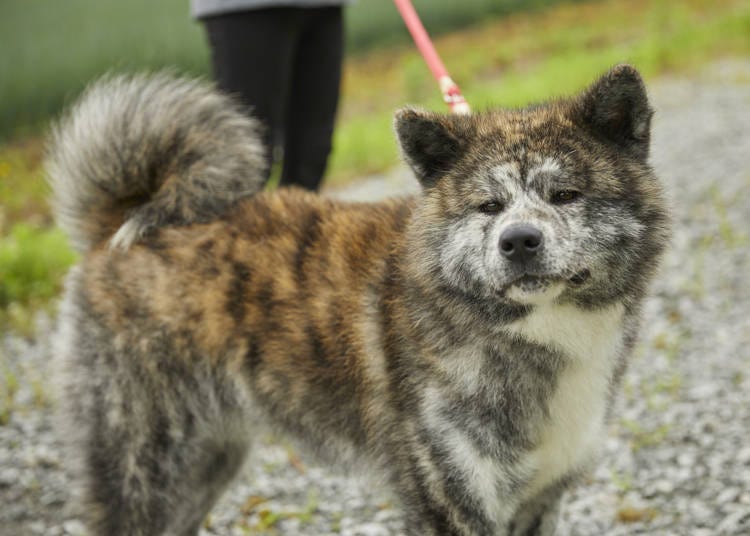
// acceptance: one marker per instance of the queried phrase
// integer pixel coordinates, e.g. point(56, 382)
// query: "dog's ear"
point(429, 142)
point(616, 108)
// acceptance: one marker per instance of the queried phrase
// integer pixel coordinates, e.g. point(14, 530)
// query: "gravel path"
point(677, 460)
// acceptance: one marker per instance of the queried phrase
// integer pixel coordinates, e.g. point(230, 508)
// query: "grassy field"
point(508, 61)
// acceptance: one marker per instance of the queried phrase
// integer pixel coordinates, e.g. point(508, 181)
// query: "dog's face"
point(555, 202)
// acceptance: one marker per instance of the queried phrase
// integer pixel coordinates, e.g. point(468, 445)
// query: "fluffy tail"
point(140, 152)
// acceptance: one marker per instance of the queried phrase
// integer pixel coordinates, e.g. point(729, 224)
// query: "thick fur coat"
point(465, 343)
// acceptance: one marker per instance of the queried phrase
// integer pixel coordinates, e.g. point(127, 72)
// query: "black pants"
point(285, 63)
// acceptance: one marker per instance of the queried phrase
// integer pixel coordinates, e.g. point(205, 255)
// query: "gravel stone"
point(677, 459)
point(74, 528)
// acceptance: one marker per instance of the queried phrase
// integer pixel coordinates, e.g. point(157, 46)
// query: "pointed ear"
point(429, 143)
point(616, 108)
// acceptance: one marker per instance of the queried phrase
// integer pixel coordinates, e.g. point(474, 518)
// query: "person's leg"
point(252, 53)
point(313, 98)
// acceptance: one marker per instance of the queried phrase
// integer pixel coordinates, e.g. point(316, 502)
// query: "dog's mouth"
point(531, 281)
point(530, 284)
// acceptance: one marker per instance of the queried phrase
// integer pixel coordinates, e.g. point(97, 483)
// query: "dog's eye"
point(491, 207)
point(565, 196)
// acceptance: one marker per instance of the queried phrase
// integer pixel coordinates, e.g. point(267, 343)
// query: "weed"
point(641, 437)
point(11, 384)
point(270, 467)
point(622, 481)
point(305, 516)
point(732, 237)
point(39, 393)
point(336, 518)
point(5, 412)
point(32, 264)
point(670, 385)
point(267, 518)
point(9, 388)
point(251, 504)
point(737, 378)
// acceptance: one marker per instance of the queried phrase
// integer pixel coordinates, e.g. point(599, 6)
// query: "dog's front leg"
point(444, 495)
point(538, 516)
point(431, 512)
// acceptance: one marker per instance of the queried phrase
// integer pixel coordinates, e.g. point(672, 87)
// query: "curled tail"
point(140, 152)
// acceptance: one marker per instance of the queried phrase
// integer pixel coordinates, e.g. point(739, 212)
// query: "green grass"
point(33, 262)
point(30, 259)
point(8, 389)
point(508, 61)
point(375, 23)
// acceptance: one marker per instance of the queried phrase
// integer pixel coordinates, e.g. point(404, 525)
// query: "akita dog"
point(466, 342)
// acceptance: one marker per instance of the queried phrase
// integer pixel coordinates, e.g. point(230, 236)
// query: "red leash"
point(451, 93)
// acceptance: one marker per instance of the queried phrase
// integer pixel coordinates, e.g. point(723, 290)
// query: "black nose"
point(520, 242)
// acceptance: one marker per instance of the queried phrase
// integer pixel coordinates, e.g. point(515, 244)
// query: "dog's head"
point(552, 202)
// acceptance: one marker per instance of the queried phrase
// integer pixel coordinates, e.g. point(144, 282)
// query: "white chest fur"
point(571, 434)
point(590, 340)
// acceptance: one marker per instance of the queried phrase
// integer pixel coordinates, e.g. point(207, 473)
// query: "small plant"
point(737, 378)
point(40, 397)
point(267, 518)
point(641, 437)
point(33, 262)
point(622, 481)
point(729, 233)
point(8, 390)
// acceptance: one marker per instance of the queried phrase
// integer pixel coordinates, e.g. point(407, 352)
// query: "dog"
point(466, 342)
